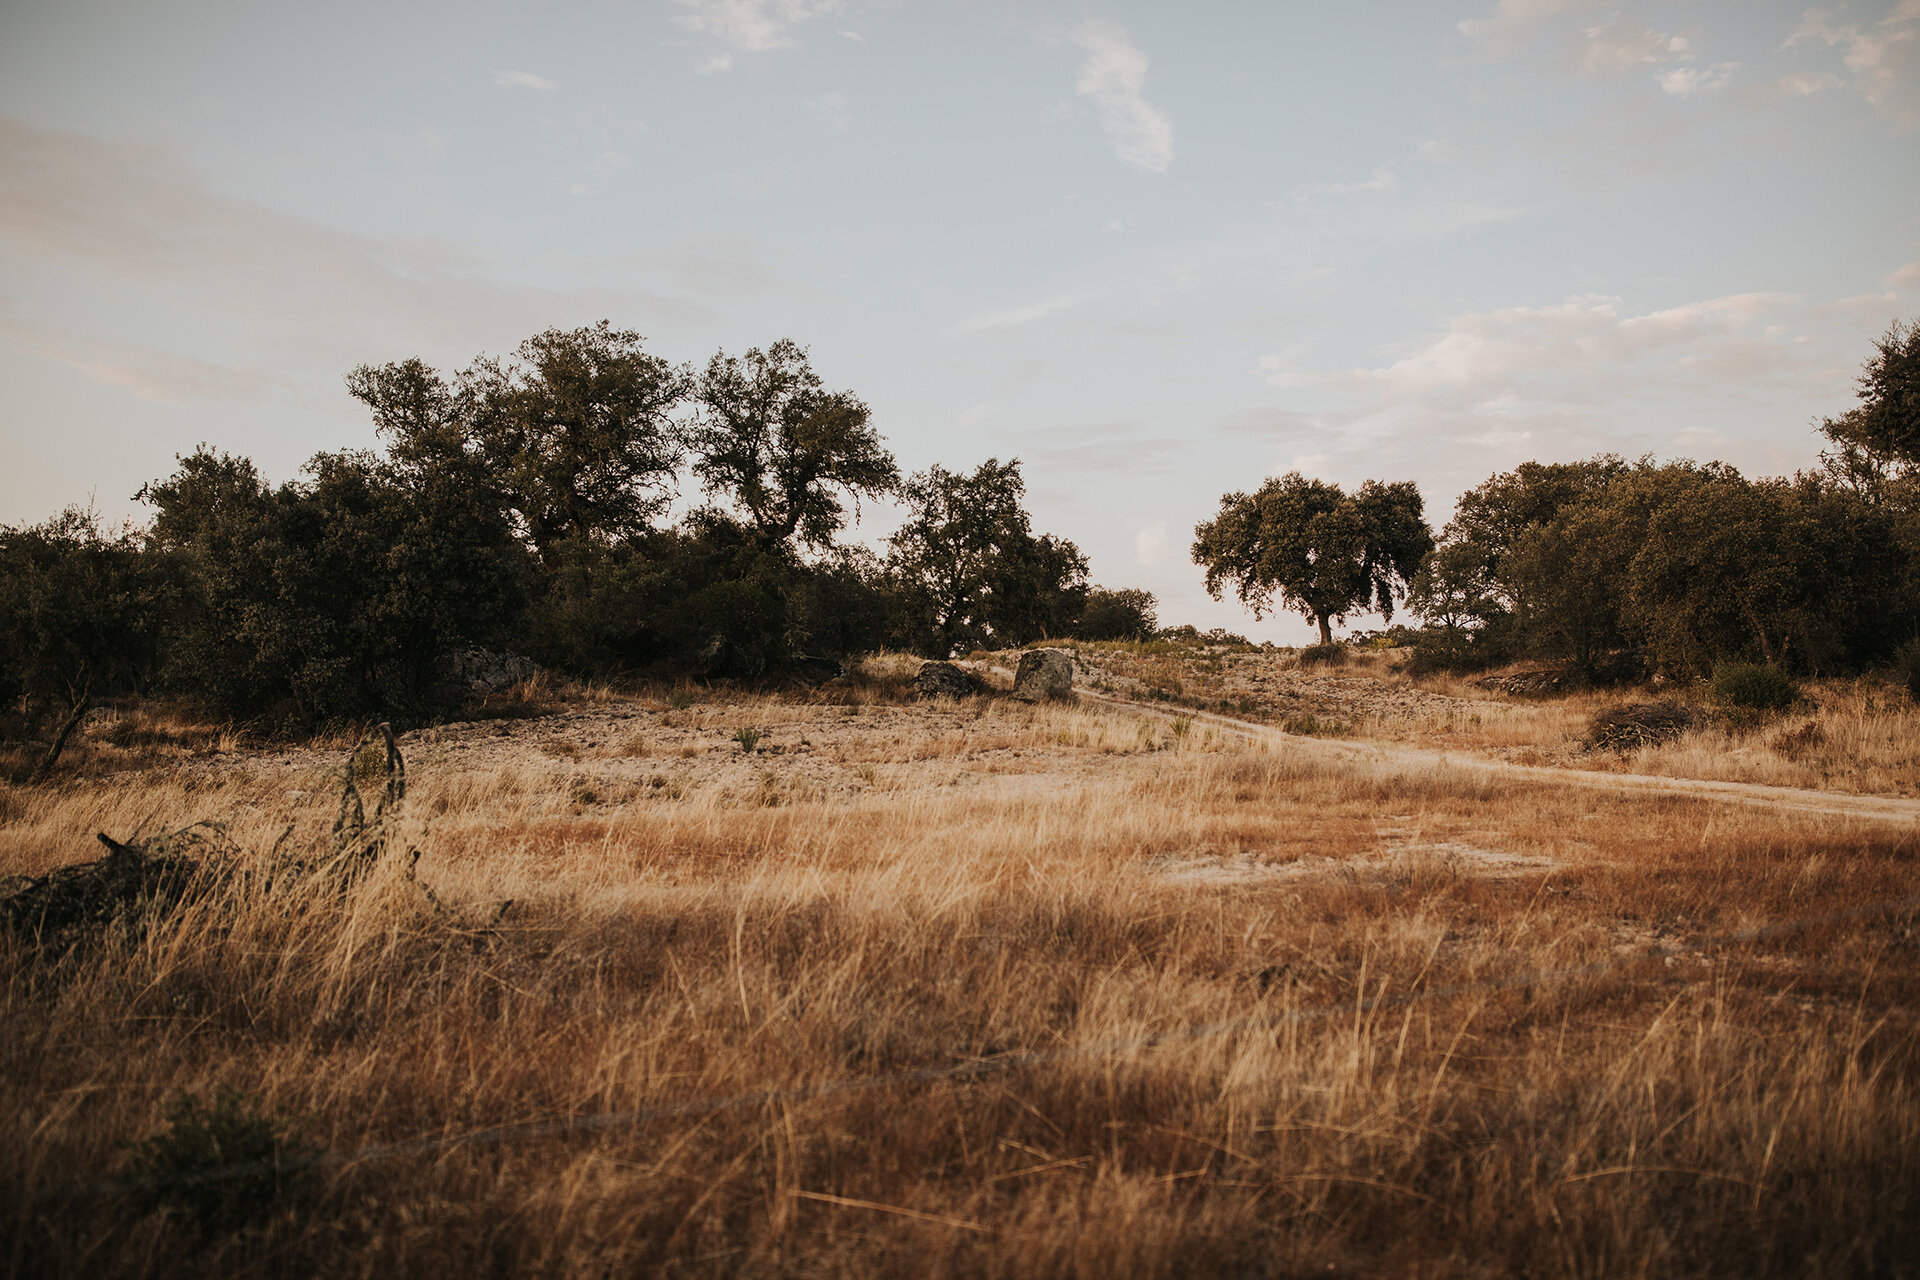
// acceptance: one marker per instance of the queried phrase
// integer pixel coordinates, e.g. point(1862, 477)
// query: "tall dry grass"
point(1693, 1109)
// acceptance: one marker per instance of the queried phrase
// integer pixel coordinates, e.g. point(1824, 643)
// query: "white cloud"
point(1114, 76)
point(1906, 279)
point(1381, 179)
point(752, 26)
point(1685, 82)
point(1150, 544)
point(1804, 84)
point(1881, 55)
point(1566, 353)
point(1013, 318)
point(524, 80)
point(712, 66)
point(1618, 46)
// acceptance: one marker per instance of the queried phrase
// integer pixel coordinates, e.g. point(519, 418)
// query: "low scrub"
point(1630, 726)
point(1750, 686)
point(1324, 655)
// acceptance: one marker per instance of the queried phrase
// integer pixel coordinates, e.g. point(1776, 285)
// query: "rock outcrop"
point(943, 680)
point(1044, 674)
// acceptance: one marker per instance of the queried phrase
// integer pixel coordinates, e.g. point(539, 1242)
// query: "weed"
point(747, 738)
point(224, 1166)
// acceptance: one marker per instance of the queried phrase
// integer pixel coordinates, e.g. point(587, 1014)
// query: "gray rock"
point(482, 671)
point(1044, 674)
point(943, 680)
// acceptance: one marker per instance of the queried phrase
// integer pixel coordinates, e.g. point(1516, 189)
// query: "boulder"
point(482, 671)
point(942, 680)
point(1044, 674)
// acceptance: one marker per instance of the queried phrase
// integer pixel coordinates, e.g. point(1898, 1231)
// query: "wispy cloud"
point(1881, 56)
point(524, 80)
point(713, 66)
point(1514, 24)
point(1015, 317)
point(752, 26)
point(830, 109)
point(254, 283)
point(1687, 82)
point(1114, 78)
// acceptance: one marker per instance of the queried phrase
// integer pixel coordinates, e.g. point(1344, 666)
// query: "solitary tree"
point(1325, 553)
point(783, 449)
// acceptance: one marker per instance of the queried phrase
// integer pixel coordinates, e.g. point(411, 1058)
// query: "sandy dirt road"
point(1830, 803)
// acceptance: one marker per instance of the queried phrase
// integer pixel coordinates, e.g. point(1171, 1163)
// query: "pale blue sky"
point(1157, 251)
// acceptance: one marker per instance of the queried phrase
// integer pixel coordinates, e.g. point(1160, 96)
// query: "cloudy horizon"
point(1157, 254)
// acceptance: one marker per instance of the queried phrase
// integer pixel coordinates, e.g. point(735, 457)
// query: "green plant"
point(747, 738)
point(1754, 687)
point(225, 1166)
point(1332, 655)
point(679, 700)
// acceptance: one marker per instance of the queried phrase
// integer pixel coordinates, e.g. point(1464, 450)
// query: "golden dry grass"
point(1371, 1097)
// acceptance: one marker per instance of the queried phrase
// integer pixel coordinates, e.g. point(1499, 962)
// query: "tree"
point(1125, 614)
point(83, 613)
point(574, 434)
point(1882, 433)
point(780, 448)
point(340, 595)
point(1324, 553)
point(967, 570)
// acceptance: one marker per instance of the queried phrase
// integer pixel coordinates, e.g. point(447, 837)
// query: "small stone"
point(1044, 674)
point(943, 680)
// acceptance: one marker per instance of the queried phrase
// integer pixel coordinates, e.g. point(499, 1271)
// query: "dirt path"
point(1836, 804)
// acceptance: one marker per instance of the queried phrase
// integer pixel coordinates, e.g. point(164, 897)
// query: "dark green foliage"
point(1754, 687)
point(84, 613)
point(1324, 553)
point(225, 1167)
point(1627, 726)
point(967, 572)
point(1881, 435)
point(1126, 614)
point(337, 596)
point(1324, 655)
point(777, 446)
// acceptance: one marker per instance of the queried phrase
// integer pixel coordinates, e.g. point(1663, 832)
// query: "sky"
point(1158, 252)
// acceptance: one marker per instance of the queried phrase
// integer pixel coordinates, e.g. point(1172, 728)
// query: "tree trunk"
point(1326, 632)
point(74, 715)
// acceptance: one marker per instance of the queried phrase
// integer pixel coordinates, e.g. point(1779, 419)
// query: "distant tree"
point(574, 434)
point(783, 450)
point(1881, 434)
point(1454, 587)
point(967, 570)
point(1325, 554)
point(1125, 614)
point(83, 614)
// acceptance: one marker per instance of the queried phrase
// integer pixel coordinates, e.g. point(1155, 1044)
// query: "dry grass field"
point(835, 983)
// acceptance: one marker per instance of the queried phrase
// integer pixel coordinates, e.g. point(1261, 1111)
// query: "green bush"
point(225, 1166)
point(1754, 687)
point(1332, 655)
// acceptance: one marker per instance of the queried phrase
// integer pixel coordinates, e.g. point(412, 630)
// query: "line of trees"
point(1617, 568)
point(523, 504)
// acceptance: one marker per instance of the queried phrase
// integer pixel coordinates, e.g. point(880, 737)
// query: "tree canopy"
point(1324, 553)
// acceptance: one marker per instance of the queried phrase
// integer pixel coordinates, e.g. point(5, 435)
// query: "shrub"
point(1332, 655)
point(1625, 726)
point(225, 1165)
point(1907, 667)
point(1126, 614)
point(1753, 687)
